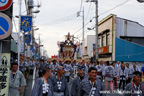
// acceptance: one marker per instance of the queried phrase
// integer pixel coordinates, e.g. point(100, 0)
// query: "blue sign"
point(33, 51)
point(78, 50)
point(26, 23)
point(3, 1)
point(94, 47)
point(31, 47)
point(5, 26)
point(36, 56)
point(28, 39)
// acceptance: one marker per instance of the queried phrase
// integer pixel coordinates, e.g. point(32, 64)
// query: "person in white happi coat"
point(129, 75)
point(99, 71)
point(115, 75)
point(102, 63)
point(54, 66)
point(118, 65)
point(59, 83)
point(134, 68)
point(60, 63)
point(21, 67)
point(32, 66)
point(91, 64)
point(17, 81)
point(67, 70)
point(43, 85)
point(122, 76)
point(108, 74)
point(77, 80)
point(75, 68)
point(91, 86)
point(136, 87)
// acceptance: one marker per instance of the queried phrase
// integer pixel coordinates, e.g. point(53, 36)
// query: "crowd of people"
point(89, 78)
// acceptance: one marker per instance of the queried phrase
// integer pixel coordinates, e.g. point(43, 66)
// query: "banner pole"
point(20, 2)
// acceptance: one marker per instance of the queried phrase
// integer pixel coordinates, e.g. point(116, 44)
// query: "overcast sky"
point(58, 17)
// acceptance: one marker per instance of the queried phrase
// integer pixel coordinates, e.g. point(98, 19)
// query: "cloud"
point(55, 9)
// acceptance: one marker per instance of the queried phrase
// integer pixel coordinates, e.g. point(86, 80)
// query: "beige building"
point(106, 30)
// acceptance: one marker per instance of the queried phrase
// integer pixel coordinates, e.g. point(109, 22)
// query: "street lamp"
point(37, 11)
point(36, 29)
point(91, 29)
point(141, 1)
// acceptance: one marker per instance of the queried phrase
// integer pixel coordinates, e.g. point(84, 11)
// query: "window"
point(128, 39)
point(103, 40)
point(108, 40)
point(99, 42)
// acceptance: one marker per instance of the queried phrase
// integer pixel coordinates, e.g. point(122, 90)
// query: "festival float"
point(67, 48)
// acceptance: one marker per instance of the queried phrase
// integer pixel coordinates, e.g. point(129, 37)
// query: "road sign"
point(5, 4)
point(5, 26)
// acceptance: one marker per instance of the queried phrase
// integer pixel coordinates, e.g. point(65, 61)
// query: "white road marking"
point(34, 73)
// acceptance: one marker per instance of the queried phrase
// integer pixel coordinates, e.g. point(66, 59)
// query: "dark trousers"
point(31, 71)
point(128, 81)
point(115, 82)
point(40, 74)
point(67, 77)
point(122, 82)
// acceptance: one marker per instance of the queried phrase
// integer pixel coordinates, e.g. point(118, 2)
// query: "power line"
point(88, 11)
point(104, 13)
point(64, 19)
point(114, 7)
point(61, 21)
point(81, 28)
point(86, 31)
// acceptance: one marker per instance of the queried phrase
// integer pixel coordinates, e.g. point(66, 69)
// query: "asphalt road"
point(30, 81)
point(29, 87)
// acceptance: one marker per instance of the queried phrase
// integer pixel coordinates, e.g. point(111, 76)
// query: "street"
point(28, 88)
point(30, 82)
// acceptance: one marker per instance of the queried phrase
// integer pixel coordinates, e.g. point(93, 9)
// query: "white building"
point(87, 47)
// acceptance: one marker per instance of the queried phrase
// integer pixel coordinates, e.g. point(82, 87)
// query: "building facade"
point(118, 40)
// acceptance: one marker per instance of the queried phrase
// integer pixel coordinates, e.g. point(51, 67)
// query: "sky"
point(58, 17)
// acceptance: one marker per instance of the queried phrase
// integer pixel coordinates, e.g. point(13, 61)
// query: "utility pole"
point(96, 29)
point(20, 3)
point(39, 46)
point(30, 7)
point(96, 25)
point(78, 14)
point(83, 23)
point(24, 48)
